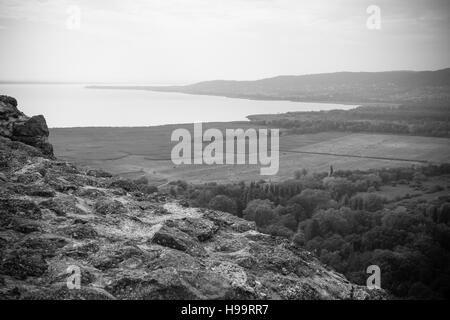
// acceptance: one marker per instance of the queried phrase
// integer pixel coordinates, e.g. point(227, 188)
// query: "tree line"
point(343, 219)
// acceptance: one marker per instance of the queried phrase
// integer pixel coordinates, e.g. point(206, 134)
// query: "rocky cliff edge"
point(129, 244)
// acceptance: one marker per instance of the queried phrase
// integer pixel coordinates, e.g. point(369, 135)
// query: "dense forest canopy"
point(343, 219)
point(412, 119)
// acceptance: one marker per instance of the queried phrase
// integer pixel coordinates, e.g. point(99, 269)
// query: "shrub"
point(255, 206)
point(311, 199)
point(141, 181)
point(148, 189)
point(223, 203)
point(278, 231)
point(299, 239)
point(124, 184)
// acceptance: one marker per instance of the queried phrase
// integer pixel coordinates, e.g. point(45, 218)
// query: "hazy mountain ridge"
point(351, 87)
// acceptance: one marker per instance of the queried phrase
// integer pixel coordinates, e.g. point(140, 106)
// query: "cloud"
point(207, 39)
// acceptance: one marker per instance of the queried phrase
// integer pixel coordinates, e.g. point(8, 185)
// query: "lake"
point(73, 105)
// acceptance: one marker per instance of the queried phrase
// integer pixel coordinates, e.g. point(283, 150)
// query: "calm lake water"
point(75, 106)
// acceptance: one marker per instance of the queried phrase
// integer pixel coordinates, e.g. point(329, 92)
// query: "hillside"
point(129, 241)
point(410, 87)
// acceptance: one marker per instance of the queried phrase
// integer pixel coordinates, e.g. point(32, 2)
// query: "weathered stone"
point(111, 259)
point(23, 264)
point(9, 100)
point(33, 190)
point(46, 246)
point(61, 292)
point(198, 228)
point(24, 225)
point(91, 193)
point(229, 221)
point(35, 126)
point(27, 178)
point(98, 173)
point(124, 184)
point(80, 231)
point(34, 132)
point(184, 203)
point(53, 206)
point(106, 207)
point(177, 239)
point(81, 251)
point(170, 284)
point(20, 207)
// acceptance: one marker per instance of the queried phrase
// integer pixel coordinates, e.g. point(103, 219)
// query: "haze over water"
point(73, 105)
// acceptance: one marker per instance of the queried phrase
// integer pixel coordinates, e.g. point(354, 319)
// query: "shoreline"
point(242, 97)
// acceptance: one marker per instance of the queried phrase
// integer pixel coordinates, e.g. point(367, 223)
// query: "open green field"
point(146, 151)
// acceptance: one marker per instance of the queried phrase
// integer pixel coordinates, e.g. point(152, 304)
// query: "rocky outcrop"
point(18, 127)
point(128, 244)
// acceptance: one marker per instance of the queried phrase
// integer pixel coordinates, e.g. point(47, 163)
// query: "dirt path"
point(354, 156)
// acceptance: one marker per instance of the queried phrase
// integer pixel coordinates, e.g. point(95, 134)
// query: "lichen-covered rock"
point(21, 264)
point(170, 283)
point(124, 184)
point(80, 231)
point(111, 258)
point(8, 100)
point(60, 291)
point(33, 132)
point(233, 222)
point(106, 206)
point(98, 173)
point(17, 126)
point(198, 228)
point(81, 250)
point(91, 193)
point(33, 190)
point(20, 208)
point(177, 239)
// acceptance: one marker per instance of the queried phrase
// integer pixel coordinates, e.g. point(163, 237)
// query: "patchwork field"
point(146, 151)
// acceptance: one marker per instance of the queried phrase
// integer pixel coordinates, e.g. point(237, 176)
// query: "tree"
point(298, 174)
point(277, 230)
point(312, 229)
point(331, 222)
point(288, 221)
point(444, 213)
point(338, 187)
point(204, 197)
point(373, 202)
point(260, 211)
point(373, 180)
point(368, 201)
point(310, 199)
point(299, 238)
point(223, 203)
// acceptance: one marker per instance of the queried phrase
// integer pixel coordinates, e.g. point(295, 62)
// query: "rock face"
point(55, 217)
point(18, 127)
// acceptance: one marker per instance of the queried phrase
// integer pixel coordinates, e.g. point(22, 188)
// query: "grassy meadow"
point(139, 151)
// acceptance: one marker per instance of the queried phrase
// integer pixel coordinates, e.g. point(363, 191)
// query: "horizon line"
point(193, 81)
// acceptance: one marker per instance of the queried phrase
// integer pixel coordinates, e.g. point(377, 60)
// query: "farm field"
point(134, 152)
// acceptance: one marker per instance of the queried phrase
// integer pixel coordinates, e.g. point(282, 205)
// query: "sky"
point(185, 41)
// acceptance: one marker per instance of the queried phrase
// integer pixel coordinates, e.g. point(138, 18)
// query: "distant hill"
point(345, 87)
